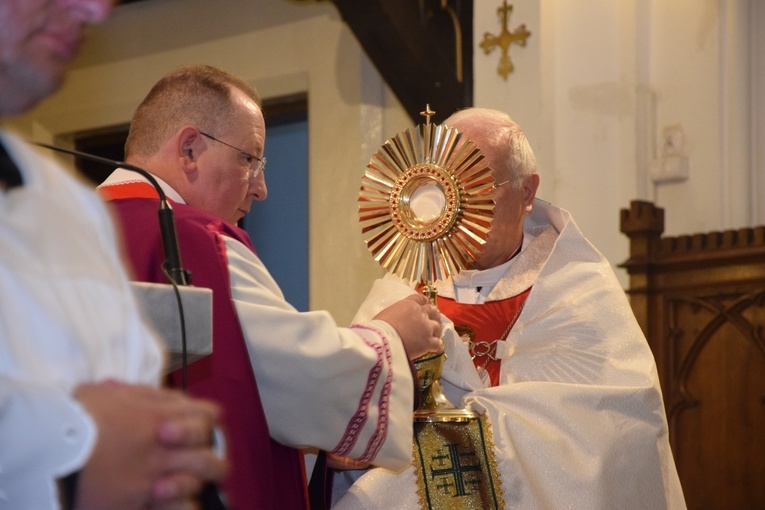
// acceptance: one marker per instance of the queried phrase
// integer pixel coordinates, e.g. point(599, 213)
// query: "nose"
point(90, 11)
point(258, 189)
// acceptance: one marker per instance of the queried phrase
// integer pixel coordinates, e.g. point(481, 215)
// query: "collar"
point(122, 177)
point(474, 285)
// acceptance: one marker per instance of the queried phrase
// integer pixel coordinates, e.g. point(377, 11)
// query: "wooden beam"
point(421, 48)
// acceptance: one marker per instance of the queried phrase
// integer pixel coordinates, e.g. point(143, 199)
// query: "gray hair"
point(503, 134)
point(196, 94)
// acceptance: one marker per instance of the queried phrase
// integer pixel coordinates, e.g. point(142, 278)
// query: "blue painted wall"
point(278, 225)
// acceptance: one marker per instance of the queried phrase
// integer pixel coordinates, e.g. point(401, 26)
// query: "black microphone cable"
point(172, 266)
point(210, 497)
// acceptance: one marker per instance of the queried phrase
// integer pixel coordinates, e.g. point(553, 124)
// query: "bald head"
point(500, 139)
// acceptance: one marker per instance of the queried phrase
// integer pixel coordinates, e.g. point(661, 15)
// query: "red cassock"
point(264, 474)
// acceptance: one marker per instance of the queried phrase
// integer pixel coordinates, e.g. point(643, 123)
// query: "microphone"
point(172, 265)
point(210, 497)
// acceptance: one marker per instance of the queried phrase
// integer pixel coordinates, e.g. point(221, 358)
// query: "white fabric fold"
point(347, 390)
point(578, 418)
point(67, 316)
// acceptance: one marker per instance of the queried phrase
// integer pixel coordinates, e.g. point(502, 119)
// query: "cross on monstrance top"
point(504, 40)
point(428, 113)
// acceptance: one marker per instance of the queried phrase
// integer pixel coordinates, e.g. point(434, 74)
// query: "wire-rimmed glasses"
point(254, 163)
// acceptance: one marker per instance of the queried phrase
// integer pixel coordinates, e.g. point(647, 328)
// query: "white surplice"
point(578, 418)
point(67, 316)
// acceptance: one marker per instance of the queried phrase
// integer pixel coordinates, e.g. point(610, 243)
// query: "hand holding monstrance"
point(425, 207)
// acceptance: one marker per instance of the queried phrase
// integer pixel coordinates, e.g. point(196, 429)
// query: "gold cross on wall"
point(504, 40)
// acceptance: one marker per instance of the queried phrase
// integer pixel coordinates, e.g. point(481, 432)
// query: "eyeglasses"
point(254, 163)
point(497, 185)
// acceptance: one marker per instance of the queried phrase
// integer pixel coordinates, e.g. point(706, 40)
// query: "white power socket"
point(672, 165)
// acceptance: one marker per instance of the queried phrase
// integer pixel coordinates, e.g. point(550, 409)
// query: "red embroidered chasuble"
point(489, 322)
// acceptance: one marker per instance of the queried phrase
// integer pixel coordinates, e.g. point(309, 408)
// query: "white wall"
point(294, 48)
point(594, 88)
point(598, 83)
point(757, 85)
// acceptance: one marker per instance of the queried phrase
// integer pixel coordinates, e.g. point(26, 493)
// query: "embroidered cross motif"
point(460, 471)
point(455, 465)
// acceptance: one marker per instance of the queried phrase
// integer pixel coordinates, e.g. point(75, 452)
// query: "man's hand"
point(417, 322)
point(153, 449)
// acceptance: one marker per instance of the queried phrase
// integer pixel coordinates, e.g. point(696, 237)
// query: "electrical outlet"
point(673, 143)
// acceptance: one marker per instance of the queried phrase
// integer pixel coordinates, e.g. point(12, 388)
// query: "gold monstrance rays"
point(428, 165)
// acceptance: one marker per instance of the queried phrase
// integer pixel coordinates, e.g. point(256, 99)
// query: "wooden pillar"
point(643, 223)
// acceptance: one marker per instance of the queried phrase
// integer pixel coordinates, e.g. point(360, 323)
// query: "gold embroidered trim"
point(456, 467)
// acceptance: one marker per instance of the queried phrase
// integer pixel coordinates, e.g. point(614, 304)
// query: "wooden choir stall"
point(700, 300)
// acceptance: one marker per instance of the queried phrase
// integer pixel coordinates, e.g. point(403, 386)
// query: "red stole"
point(489, 322)
point(264, 474)
point(130, 189)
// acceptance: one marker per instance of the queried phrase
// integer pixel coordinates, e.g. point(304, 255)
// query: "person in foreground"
point(544, 343)
point(285, 379)
point(82, 424)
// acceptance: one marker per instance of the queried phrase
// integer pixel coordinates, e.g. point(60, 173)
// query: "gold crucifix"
point(504, 40)
point(428, 113)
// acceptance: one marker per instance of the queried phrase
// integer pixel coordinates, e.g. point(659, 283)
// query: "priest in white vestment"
point(548, 350)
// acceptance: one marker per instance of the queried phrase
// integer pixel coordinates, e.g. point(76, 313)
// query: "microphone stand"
point(172, 266)
point(210, 497)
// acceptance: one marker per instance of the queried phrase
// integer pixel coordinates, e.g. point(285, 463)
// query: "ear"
point(189, 146)
point(530, 185)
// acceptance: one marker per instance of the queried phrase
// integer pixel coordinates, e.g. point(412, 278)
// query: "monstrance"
point(425, 208)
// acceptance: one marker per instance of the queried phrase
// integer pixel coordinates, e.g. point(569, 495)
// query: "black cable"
point(210, 497)
point(169, 236)
point(184, 356)
point(171, 267)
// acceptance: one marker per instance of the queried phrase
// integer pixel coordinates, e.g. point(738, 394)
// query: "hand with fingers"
point(154, 448)
point(417, 322)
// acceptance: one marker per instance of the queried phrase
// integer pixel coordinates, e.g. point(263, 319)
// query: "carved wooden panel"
point(716, 399)
point(700, 300)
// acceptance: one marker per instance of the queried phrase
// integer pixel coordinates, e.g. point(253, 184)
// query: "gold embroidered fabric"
point(455, 466)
